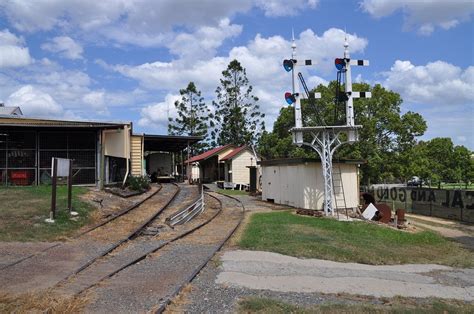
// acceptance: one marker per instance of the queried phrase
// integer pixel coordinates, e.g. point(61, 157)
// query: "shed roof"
point(23, 121)
point(168, 143)
point(208, 154)
point(234, 153)
point(7, 110)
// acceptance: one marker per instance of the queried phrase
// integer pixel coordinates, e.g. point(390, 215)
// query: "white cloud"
point(64, 46)
point(423, 15)
point(12, 51)
point(155, 116)
point(96, 101)
point(437, 83)
point(203, 43)
point(262, 58)
point(441, 92)
point(285, 7)
point(74, 90)
point(144, 23)
point(139, 22)
point(35, 102)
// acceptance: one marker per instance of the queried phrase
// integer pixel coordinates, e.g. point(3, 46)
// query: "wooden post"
point(54, 171)
point(69, 191)
point(69, 187)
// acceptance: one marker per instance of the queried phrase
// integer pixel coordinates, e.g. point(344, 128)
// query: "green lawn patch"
point(24, 209)
point(457, 186)
point(232, 192)
point(264, 305)
point(361, 242)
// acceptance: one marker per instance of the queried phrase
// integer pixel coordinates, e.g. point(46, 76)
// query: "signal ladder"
point(339, 198)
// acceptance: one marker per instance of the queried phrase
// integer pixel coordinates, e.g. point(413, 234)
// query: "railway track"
point(139, 246)
point(46, 269)
point(161, 272)
point(119, 267)
point(111, 218)
point(220, 244)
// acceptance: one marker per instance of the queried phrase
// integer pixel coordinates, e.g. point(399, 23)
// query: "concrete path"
point(276, 272)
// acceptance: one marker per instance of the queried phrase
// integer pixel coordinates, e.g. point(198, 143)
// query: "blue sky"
point(127, 60)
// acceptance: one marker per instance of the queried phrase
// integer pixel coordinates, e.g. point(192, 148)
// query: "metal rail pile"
point(188, 213)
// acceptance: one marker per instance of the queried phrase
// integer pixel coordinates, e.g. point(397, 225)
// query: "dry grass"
point(178, 304)
point(41, 302)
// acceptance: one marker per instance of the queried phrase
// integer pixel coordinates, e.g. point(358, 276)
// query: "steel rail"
point(164, 304)
point(185, 215)
point(118, 214)
point(109, 219)
point(155, 249)
point(130, 236)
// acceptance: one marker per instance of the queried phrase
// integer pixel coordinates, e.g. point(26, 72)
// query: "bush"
point(138, 183)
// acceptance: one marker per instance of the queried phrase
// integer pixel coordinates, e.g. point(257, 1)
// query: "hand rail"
point(185, 215)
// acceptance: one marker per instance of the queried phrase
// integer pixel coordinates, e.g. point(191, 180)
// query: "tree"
point(237, 119)
point(464, 171)
point(193, 117)
point(386, 134)
point(449, 163)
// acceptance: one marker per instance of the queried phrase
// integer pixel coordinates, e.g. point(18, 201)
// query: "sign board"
point(117, 143)
point(448, 204)
point(63, 167)
point(369, 212)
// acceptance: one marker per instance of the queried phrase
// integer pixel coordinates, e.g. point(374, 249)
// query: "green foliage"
point(386, 132)
point(438, 160)
point(138, 183)
point(193, 117)
point(237, 119)
point(300, 236)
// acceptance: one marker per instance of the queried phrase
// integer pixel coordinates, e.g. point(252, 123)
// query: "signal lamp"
point(290, 98)
point(339, 63)
point(288, 65)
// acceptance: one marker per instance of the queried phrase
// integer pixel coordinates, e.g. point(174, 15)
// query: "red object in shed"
point(19, 177)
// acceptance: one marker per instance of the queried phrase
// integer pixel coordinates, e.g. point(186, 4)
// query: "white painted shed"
point(237, 163)
point(299, 183)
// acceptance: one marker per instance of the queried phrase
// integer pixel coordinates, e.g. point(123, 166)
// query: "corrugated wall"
point(302, 186)
point(136, 158)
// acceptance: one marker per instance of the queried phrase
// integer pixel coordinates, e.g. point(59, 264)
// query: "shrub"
point(138, 183)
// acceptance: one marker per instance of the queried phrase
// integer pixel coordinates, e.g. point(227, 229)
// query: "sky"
point(126, 60)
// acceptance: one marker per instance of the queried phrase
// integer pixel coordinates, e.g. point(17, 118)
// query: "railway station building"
point(102, 152)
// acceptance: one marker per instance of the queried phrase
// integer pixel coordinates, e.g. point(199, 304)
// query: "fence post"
point(54, 171)
point(69, 187)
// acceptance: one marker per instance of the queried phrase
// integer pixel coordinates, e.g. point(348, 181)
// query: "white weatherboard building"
point(299, 182)
point(225, 163)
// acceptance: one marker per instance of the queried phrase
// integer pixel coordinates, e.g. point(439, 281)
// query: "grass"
point(232, 192)
point(459, 186)
point(397, 305)
point(361, 242)
point(24, 209)
point(41, 302)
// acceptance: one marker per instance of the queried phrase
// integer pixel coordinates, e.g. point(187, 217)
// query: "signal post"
point(325, 139)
